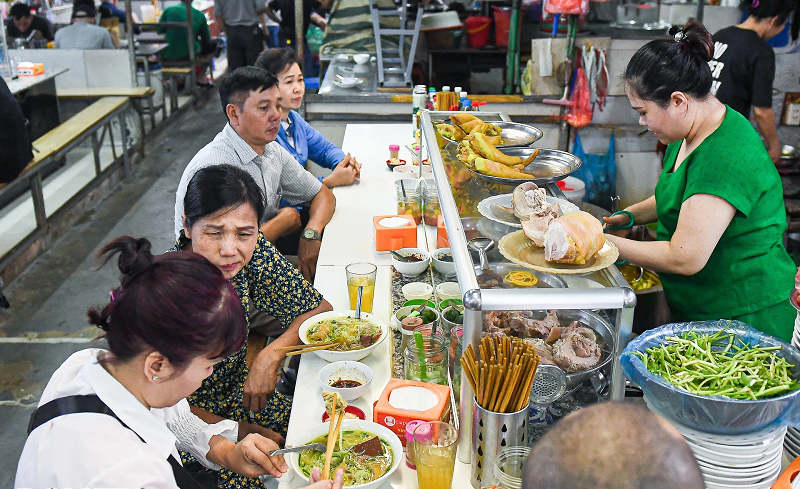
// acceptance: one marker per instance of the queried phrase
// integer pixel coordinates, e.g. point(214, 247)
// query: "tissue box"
point(394, 238)
point(442, 241)
point(394, 411)
point(26, 68)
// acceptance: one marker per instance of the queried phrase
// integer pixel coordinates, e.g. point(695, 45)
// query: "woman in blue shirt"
point(296, 135)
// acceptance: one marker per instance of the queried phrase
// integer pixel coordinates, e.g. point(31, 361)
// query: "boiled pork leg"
point(573, 238)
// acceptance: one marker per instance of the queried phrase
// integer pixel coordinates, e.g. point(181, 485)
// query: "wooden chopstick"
point(303, 346)
point(310, 349)
point(326, 471)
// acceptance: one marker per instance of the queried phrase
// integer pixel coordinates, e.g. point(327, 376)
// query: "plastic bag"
point(712, 414)
point(314, 38)
point(580, 112)
point(598, 172)
point(566, 6)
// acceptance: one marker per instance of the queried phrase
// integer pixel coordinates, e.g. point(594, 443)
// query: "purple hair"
point(178, 304)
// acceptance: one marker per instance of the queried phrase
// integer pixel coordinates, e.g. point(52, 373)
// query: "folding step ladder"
point(398, 64)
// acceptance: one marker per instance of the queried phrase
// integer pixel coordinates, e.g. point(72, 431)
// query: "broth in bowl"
point(364, 456)
point(351, 333)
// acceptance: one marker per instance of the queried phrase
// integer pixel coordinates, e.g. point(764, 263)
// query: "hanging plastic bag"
point(598, 172)
point(314, 38)
point(566, 6)
point(580, 112)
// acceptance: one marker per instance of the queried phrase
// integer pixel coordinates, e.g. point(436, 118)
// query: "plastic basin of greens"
point(335, 356)
point(348, 425)
point(712, 414)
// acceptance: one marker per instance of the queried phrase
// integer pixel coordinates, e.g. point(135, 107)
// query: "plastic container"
point(502, 24)
point(434, 371)
point(574, 189)
point(431, 210)
point(394, 151)
point(478, 31)
point(408, 198)
point(410, 427)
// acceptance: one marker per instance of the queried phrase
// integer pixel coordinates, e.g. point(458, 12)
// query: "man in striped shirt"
point(252, 102)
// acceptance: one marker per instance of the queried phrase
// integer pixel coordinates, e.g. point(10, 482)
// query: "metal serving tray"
point(550, 166)
point(514, 134)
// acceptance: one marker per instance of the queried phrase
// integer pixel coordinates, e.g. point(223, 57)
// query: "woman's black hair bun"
point(694, 37)
point(98, 318)
point(134, 255)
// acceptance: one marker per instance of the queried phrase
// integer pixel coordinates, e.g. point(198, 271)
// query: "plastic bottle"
point(431, 98)
point(446, 88)
point(467, 105)
point(457, 90)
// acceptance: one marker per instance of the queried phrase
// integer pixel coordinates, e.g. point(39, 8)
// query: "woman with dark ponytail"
point(718, 202)
point(743, 65)
point(118, 417)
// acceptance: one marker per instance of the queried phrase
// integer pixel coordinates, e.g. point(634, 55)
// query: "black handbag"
point(201, 479)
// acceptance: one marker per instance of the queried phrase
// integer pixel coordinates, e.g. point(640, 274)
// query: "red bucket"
point(502, 23)
point(478, 31)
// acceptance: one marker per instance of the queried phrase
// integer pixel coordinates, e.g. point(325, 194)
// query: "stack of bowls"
point(744, 461)
point(792, 442)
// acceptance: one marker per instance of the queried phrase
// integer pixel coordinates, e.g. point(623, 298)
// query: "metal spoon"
point(400, 257)
point(320, 447)
point(482, 245)
point(358, 302)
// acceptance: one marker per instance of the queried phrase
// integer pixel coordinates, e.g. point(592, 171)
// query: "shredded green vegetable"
point(719, 364)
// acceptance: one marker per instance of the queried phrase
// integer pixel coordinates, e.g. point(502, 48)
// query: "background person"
point(169, 321)
point(14, 140)
point(252, 102)
point(719, 200)
point(221, 210)
point(239, 19)
point(83, 34)
point(178, 48)
point(22, 24)
point(296, 136)
point(743, 65)
point(612, 445)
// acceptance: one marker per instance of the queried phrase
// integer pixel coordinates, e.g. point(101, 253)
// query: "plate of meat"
point(579, 342)
point(498, 208)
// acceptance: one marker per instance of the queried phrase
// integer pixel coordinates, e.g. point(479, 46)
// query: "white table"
point(349, 238)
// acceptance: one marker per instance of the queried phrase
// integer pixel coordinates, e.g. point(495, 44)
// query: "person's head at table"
point(84, 12)
point(612, 445)
point(769, 17)
point(252, 102)
point(21, 16)
point(668, 82)
point(221, 216)
point(172, 318)
point(282, 63)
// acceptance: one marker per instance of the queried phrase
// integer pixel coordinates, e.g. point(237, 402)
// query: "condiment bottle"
point(446, 88)
point(423, 434)
point(457, 90)
point(394, 151)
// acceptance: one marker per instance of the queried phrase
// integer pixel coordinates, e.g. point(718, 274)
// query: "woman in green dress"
point(221, 223)
point(718, 202)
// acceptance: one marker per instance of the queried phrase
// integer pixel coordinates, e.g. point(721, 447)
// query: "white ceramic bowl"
point(411, 269)
point(361, 58)
point(448, 290)
point(417, 290)
point(397, 323)
point(446, 268)
point(411, 170)
point(353, 424)
point(336, 356)
point(346, 370)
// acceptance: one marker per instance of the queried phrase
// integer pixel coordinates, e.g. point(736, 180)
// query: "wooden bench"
point(51, 147)
point(136, 93)
point(173, 73)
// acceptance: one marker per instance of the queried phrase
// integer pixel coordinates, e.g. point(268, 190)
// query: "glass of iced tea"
point(435, 445)
point(361, 275)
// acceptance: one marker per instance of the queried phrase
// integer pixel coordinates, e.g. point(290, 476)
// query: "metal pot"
point(789, 156)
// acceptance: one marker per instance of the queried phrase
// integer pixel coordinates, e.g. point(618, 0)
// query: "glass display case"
point(603, 294)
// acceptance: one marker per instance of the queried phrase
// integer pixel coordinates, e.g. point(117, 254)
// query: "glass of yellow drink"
point(361, 275)
point(435, 446)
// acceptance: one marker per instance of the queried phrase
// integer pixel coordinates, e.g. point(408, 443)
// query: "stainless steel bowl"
point(513, 133)
point(598, 325)
point(551, 165)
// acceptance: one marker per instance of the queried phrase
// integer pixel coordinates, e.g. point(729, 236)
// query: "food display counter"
point(604, 291)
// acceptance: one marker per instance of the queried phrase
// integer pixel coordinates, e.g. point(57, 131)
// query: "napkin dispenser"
point(392, 236)
point(442, 241)
point(406, 400)
point(26, 69)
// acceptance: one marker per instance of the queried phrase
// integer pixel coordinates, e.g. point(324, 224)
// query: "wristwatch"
point(312, 234)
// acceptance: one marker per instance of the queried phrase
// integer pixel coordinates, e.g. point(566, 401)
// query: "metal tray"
point(546, 280)
point(514, 134)
point(550, 166)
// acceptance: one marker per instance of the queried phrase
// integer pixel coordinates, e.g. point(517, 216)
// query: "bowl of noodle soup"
point(358, 337)
point(361, 472)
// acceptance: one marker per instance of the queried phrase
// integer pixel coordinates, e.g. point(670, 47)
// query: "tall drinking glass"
point(361, 275)
point(435, 445)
